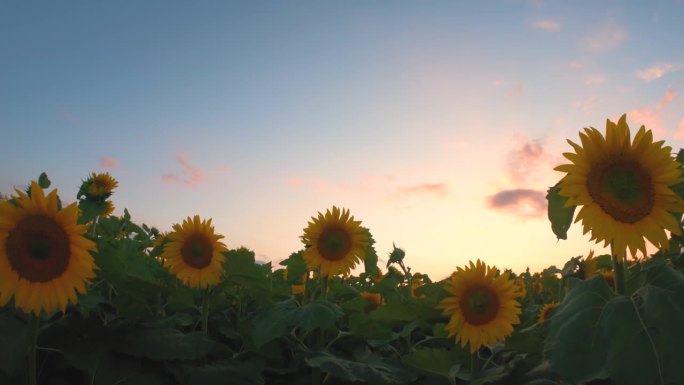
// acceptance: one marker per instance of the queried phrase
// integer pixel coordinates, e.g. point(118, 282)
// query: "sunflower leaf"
point(371, 369)
point(14, 342)
point(559, 215)
point(167, 344)
point(44, 181)
point(435, 361)
point(575, 345)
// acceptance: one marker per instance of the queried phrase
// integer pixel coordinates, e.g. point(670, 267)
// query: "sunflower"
point(44, 258)
point(335, 242)
point(415, 285)
point(98, 186)
point(373, 300)
point(193, 253)
point(588, 266)
point(624, 188)
point(521, 287)
point(546, 311)
point(482, 306)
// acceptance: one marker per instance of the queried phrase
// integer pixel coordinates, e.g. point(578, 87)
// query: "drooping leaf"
point(575, 345)
point(167, 344)
point(559, 215)
point(372, 369)
point(227, 371)
point(435, 361)
point(14, 342)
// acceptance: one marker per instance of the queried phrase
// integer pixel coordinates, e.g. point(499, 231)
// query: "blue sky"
point(436, 123)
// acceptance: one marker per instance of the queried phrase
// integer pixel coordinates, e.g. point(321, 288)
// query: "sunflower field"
point(87, 297)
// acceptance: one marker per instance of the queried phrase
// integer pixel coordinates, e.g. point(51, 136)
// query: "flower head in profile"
point(335, 242)
point(624, 187)
point(193, 253)
point(45, 259)
point(98, 187)
point(481, 304)
point(546, 312)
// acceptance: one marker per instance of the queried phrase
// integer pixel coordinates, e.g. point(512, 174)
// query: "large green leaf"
point(279, 319)
point(227, 372)
point(559, 215)
point(14, 342)
point(371, 369)
point(167, 344)
point(364, 326)
point(575, 345)
point(435, 361)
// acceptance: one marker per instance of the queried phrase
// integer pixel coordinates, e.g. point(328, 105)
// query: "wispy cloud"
point(605, 38)
point(651, 115)
point(586, 105)
point(656, 71)
point(437, 190)
point(189, 175)
point(680, 130)
point(549, 25)
point(109, 163)
point(576, 64)
point(525, 203)
point(70, 116)
point(526, 161)
point(594, 80)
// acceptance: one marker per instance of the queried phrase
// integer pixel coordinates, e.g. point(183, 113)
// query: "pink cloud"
point(515, 91)
point(680, 130)
point(521, 202)
point(605, 38)
point(70, 116)
point(656, 71)
point(576, 65)
point(651, 116)
point(109, 163)
point(548, 25)
point(526, 161)
point(595, 80)
point(190, 175)
point(586, 105)
point(438, 190)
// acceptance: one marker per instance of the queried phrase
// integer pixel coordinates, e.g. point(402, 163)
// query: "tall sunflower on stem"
point(624, 187)
point(45, 260)
point(193, 253)
point(482, 305)
point(335, 242)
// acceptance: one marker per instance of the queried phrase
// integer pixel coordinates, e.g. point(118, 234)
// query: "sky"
point(436, 123)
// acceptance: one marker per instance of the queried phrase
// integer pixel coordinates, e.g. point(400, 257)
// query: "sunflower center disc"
point(38, 249)
point(480, 305)
point(197, 251)
point(334, 244)
point(623, 189)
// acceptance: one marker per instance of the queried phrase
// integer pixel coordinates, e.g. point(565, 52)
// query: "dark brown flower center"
point(623, 189)
point(38, 248)
point(197, 251)
point(479, 305)
point(334, 243)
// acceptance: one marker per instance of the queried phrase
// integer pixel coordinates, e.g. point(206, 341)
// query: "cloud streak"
point(436, 190)
point(605, 38)
point(526, 161)
point(656, 71)
point(109, 163)
point(651, 115)
point(189, 174)
point(548, 25)
point(524, 203)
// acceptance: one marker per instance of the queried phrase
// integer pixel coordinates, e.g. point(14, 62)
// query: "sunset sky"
point(437, 123)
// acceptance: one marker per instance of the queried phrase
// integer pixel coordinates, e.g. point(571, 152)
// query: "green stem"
point(474, 366)
point(619, 269)
point(34, 328)
point(205, 311)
